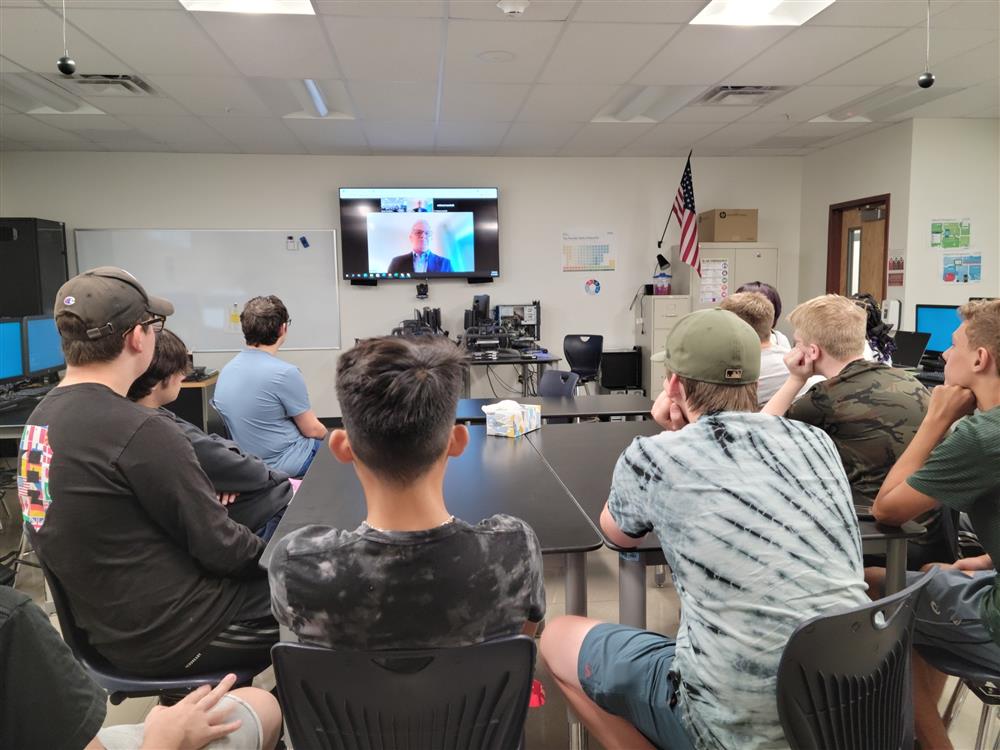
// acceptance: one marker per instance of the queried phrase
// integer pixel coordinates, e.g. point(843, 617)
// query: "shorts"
point(626, 671)
point(312, 454)
point(249, 736)
point(948, 616)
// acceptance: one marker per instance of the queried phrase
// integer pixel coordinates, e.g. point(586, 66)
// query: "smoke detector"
point(513, 8)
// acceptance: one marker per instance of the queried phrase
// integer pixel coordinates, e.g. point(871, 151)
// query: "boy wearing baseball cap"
point(755, 518)
point(157, 575)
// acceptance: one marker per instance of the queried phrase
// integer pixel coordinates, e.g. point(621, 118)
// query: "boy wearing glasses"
point(159, 577)
point(420, 259)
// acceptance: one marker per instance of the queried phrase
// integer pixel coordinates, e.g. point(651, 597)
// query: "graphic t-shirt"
point(963, 473)
point(453, 585)
point(757, 525)
point(258, 395)
point(121, 512)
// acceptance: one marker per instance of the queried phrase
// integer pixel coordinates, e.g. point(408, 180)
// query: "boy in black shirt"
point(157, 575)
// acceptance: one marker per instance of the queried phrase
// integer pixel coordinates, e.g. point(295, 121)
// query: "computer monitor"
point(11, 350)
point(940, 321)
point(42, 346)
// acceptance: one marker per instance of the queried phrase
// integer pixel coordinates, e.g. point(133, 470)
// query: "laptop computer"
point(910, 346)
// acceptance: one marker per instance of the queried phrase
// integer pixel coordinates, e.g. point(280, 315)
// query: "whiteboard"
point(204, 272)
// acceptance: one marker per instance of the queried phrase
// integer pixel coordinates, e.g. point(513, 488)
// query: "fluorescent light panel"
point(760, 12)
point(317, 97)
point(289, 7)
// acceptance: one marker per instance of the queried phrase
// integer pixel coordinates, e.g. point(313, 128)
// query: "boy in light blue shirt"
point(263, 399)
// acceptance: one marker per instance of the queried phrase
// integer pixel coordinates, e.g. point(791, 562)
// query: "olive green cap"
point(712, 346)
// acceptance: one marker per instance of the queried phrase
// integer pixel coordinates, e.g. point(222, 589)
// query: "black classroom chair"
point(117, 683)
point(427, 699)
point(844, 679)
point(558, 384)
point(583, 355)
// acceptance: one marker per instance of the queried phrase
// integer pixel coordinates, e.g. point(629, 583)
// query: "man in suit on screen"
point(420, 259)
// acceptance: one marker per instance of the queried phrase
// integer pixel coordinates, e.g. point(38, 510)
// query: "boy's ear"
point(675, 389)
point(458, 441)
point(812, 352)
point(340, 447)
point(134, 341)
point(983, 361)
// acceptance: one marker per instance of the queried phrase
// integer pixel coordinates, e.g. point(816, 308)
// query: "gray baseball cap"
point(712, 346)
point(108, 300)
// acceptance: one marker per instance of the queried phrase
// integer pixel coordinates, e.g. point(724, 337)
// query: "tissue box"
point(511, 419)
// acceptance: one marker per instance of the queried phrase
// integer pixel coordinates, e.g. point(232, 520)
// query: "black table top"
point(543, 358)
point(17, 418)
point(605, 405)
point(493, 475)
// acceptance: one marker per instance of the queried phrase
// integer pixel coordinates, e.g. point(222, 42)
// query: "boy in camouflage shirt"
point(870, 410)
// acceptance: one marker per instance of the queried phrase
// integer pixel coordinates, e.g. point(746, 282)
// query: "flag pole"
point(659, 243)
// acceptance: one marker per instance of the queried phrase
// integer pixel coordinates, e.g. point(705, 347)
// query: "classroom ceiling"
point(567, 78)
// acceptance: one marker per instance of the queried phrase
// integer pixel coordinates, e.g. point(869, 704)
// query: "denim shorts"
point(312, 454)
point(626, 671)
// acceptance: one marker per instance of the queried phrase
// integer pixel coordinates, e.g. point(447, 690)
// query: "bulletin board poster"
point(588, 250)
point(961, 269)
point(714, 280)
point(951, 233)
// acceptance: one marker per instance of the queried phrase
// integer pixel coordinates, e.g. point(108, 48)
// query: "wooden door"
point(857, 254)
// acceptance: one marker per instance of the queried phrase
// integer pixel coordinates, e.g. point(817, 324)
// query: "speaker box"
point(33, 259)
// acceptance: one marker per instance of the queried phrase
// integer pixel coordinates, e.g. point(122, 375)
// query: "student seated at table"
point(762, 287)
point(756, 310)
point(879, 345)
point(411, 575)
point(871, 410)
point(264, 399)
point(755, 518)
point(157, 575)
point(254, 495)
point(954, 460)
point(50, 702)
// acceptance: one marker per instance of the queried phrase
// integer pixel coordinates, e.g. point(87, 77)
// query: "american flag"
point(687, 217)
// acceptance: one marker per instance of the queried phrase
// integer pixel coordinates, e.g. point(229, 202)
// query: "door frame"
point(835, 238)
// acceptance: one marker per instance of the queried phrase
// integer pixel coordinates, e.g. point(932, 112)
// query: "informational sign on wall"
point(951, 233)
point(588, 251)
point(896, 271)
point(714, 280)
point(961, 269)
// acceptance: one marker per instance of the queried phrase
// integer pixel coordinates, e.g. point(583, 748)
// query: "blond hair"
point(834, 323)
point(708, 398)
point(753, 308)
point(983, 327)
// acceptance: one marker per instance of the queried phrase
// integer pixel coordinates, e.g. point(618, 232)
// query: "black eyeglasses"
point(156, 323)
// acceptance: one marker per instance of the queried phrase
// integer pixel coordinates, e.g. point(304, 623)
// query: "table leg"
point(524, 378)
point(631, 589)
point(576, 583)
point(895, 566)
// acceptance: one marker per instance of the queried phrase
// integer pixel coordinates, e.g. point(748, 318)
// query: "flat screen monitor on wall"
point(418, 233)
point(940, 321)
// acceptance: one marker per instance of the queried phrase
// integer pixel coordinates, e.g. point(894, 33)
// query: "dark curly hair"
point(876, 330)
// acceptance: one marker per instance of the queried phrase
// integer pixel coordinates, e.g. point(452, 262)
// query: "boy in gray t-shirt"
point(758, 527)
point(412, 575)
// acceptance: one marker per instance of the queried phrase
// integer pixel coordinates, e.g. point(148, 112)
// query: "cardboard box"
point(728, 225)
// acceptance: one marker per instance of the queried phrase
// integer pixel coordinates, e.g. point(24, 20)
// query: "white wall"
point(873, 164)
point(954, 173)
point(539, 199)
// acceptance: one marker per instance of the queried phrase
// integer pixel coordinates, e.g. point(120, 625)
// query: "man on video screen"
point(420, 259)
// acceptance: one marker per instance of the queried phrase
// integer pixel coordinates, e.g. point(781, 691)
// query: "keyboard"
point(934, 376)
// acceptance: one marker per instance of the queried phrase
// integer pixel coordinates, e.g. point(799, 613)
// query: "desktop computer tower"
point(33, 258)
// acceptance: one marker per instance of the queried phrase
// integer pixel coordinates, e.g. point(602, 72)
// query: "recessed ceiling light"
point(292, 7)
point(496, 56)
point(759, 12)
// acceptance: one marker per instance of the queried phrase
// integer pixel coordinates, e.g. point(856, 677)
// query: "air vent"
point(101, 84)
point(741, 96)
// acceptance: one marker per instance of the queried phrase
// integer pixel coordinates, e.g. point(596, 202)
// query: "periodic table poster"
point(588, 251)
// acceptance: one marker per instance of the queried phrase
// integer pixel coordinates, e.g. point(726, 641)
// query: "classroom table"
point(580, 407)
point(493, 475)
point(12, 422)
point(584, 457)
point(524, 361)
point(194, 404)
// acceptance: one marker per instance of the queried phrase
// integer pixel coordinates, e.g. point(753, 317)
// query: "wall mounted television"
point(419, 233)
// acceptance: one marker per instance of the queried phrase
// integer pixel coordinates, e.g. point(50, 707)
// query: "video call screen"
point(416, 233)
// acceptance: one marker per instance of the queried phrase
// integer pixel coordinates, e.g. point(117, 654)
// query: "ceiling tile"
point(487, 10)
point(669, 138)
point(257, 135)
point(877, 12)
point(188, 134)
point(741, 134)
point(272, 46)
point(213, 96)
point(968, 14)
point(136, 105)
point(809, 52)
point(394, 100)
point(8, 145)
point(386, 49)
point(711, 114)
point(638, 11)
point(603, 139)
point(480, 138)
point(77, 123)
point(29, 129)
point(599, 53)
point(66, 146)
point(486, 102)
point(967, 69)
point(73, 6)
point(705, 54)
point(32, 38)
point(904, 56)
point(960, 104)
point(330, 136)
point(822, 129)
point(536, 138)
point(566, 102)
point(527, 45)
point(807, 102)
point(387, 137)
point(382, 8)
point(154, 42)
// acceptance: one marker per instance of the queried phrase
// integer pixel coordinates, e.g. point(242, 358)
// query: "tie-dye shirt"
point(758, 527)
point(367, 589)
